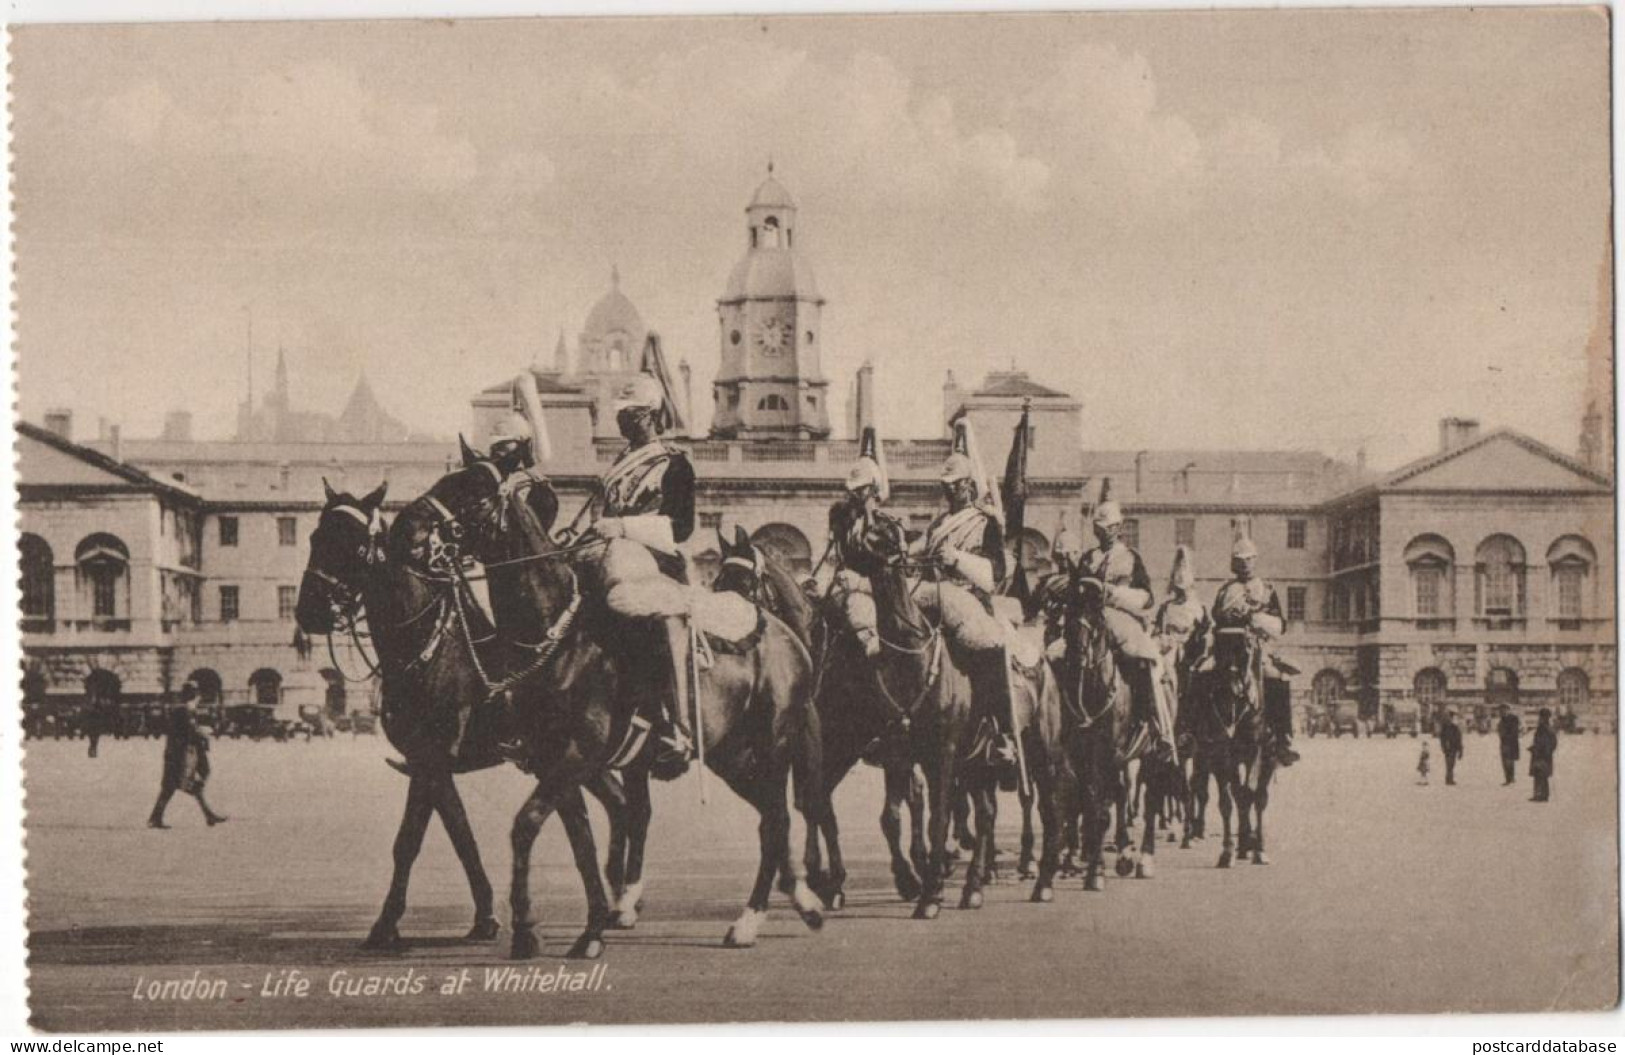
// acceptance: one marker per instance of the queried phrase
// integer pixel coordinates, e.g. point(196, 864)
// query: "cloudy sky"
point(1286, 229)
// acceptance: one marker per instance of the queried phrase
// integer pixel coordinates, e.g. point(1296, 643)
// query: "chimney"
point(178, 426)
point(115, 448)
point(60, 421)
point(1139, 470)
point(864, 398)
point(1455, 433)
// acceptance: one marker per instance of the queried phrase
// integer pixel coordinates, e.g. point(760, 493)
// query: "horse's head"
point(884, 539)
point(345, 548)
point(1233, 653)
point(473, 510)
point(742, 565)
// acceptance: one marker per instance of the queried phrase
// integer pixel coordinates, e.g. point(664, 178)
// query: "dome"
point(764, 273)
point(771, 195)
point(613, 313)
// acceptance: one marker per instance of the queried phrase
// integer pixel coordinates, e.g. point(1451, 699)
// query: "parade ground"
point(1382, 896)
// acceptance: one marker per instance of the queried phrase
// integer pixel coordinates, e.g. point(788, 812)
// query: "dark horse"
point(359, 563)
point(753, 715)
point(1231, 743)
point(852, 712)
point(1104, 737)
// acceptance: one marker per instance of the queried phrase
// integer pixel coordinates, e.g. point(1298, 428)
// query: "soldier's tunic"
point(963, 596)
point(1251, 604)
point(656, 479)
point(850, 589)
point(1129, 601)
point(1183, 627)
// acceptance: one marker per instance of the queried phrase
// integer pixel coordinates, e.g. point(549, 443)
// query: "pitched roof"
point(1016, 383)
point(1413, 470)
point(123, 474)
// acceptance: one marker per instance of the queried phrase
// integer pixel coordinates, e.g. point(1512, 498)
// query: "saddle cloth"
point(724, 616)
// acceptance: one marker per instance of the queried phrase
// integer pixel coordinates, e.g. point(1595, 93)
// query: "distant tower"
point(770, 384)
point(1597, 425)
point(612, 340)
point(561, 355)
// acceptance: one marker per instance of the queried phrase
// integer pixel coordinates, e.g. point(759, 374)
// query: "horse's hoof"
point(734, 940)
point(1145, 869)
point(908, 888)
point(1224, 859)
point(742, 935)
point(587, 947)
point(483, 930)
point(524, 946)
point(836, 900)
point(1259, 858)
point(1028, 873)
point(971, 899)
point(384, 939)
point(928, 910)
point(1095, 883)
point(813, 918)
point(1043, 895)
point(619, 920)
point(1172, 837)
point(1125, 866)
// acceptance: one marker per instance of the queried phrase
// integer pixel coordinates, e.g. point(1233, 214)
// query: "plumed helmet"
point(1107, 512)
point(1243, 548)
point(1068, 543)
point(511, 428)
point(1183, 575)
point(864, 473)
point(958, 467)
point(643, 392)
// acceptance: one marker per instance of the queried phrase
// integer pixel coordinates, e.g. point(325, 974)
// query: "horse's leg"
point(939, 780)
point(918, 853)
point(1054, 795)
point(834, 890)
point(984, 833)
point(1024, 863)
point(448, 803)
point(981, 792)
point(629, 899)
point(1261, 801)
point(964, 839)
point(607, 788)
point(1095, 816)
point(1224, 776)
point(578, 826)
point(1151, 778)
point(772, 829)
point(420, 795)
point(899, 781)
point(1202, 777)
point(527, 824)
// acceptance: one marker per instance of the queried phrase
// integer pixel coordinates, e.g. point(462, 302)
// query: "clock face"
point(774, 336)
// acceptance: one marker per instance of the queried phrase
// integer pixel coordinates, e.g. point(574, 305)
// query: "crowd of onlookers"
point(133, 722)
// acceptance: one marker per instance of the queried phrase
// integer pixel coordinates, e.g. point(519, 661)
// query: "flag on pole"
point(654, 364)
point(1014, 492)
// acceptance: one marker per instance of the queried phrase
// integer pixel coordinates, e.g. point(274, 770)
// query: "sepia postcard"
point(811, 519)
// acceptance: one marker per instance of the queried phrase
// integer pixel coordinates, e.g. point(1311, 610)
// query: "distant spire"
point(615, 277)
point(561, 354)
point(281, 372)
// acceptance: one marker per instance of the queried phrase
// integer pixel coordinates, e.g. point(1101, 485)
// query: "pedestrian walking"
point(186, 762)
point(1450, 745)
point(1541, 760)
point(1422, 766)
point(1509, 729)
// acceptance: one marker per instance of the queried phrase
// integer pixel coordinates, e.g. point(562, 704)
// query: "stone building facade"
point(1481, 572)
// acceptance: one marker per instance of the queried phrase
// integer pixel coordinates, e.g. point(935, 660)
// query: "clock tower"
point(770, 385)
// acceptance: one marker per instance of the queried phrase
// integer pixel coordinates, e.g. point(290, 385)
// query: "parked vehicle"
point(1402, 716)
point(1344, 717)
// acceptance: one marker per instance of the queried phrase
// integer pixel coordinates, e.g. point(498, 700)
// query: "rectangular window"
point(1185, 531)
point(710, 521)
point(195, 598)
point(1296, 532)
point(287, 531)
point(1569, 582)
point(1429, 593)
point(286, 598)
point(104, 588)
point(228, 531)
point(1131, 533)
point(228, 604)
point(1297, 603)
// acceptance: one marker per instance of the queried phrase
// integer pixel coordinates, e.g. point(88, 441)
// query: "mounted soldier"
point(1183, 623)
point(850, 519)
point(1249, 603)
point(1128, 607)
point(964, 553)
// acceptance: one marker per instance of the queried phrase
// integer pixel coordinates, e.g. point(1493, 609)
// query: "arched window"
point(770, 233)
point(1327, 686)
point(1500, 577)
point(1430, 688)
point(788, 545)
point(772, 401)
point(1431, 560)
point(1501, 686)
point(103, 561)
point(39, 575)
point(1573, 690)
point(208, 686)
point(1035, 553)
point(1571, 559)
point(266, 687)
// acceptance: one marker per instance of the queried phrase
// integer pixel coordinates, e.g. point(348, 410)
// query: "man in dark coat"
point(1541, 752)
point(1450, 744)
point(186, 762)
point(1507, 728)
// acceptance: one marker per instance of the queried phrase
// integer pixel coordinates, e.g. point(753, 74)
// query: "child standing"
point(1422, 765)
